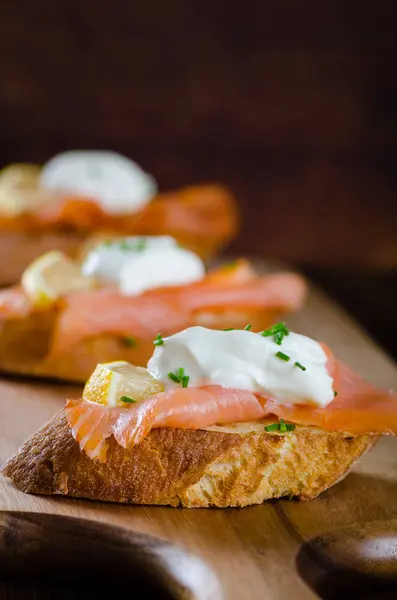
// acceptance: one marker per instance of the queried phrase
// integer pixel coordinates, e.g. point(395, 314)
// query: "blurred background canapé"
point(292, 103)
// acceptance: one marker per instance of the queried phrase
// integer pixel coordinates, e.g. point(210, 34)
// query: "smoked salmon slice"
point(202, 217)
point(189, 408)
point(358, 408)
point(86, 314)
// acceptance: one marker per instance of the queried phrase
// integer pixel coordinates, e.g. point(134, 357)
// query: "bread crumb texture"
point(190, 468)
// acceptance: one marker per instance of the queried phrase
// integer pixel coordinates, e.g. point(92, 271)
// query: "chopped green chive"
point(124, 245)
point(335, 394)
point(278, 331)
point(283, 356)
point(130, 341)
point(246, 328)
point(141, 245)
point(278, 338)
point(300, 366)
point(282, 426)
point(107, 243)
point(158, 341)
point(180, 377)
point(174, 377)
point(128, 400)
point(272, 427)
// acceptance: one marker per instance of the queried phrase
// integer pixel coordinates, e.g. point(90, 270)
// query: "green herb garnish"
point(128, 400)
point(107, 243)
point(158, 341)
point(130, 341)
point(283, 356)
point(141, 245)
point(278, 331)
point(246, 328)
point(180, 377)
point(335, 394)
point(174, 377)
point(300, 366)
point(282, 426)
point(124, 245)
point(272, 427)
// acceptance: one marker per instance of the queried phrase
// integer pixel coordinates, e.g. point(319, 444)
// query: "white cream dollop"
point(246, 360)
point(106, 260)
point(137, 264)
point(115, 182)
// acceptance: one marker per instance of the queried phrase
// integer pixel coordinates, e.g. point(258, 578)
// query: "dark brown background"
point(291, 102)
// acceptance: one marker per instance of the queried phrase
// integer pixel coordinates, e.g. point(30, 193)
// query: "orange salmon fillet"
point(85, 314)
point(202, 217)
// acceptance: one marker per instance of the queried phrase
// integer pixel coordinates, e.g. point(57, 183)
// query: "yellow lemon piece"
point(120, 384)
point(20, 191)
point(20, 175)
point(51, 276)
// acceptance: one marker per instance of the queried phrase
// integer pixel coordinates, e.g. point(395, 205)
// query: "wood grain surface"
point(278, 550)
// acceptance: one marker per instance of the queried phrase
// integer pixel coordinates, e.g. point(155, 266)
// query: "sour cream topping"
point(246, 360)
point(137, 264)
point(115, 182)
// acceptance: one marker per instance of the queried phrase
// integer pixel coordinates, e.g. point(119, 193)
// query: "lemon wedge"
point(20, 175)
point(50, 276)
point(110, 382)
point(20, 191)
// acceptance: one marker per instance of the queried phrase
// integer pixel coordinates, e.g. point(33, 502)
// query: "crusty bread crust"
point(19, 248)
point(25, 343)
point(189, 468)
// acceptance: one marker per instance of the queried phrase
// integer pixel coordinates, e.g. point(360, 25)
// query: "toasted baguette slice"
point(220, 466)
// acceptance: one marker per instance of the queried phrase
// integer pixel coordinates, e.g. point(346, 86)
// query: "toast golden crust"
point(190, 468)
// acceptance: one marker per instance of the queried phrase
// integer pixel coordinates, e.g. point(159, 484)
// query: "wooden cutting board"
point(283, 549)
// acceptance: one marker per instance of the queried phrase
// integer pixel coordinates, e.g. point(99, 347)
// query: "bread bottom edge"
point(187, 468)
